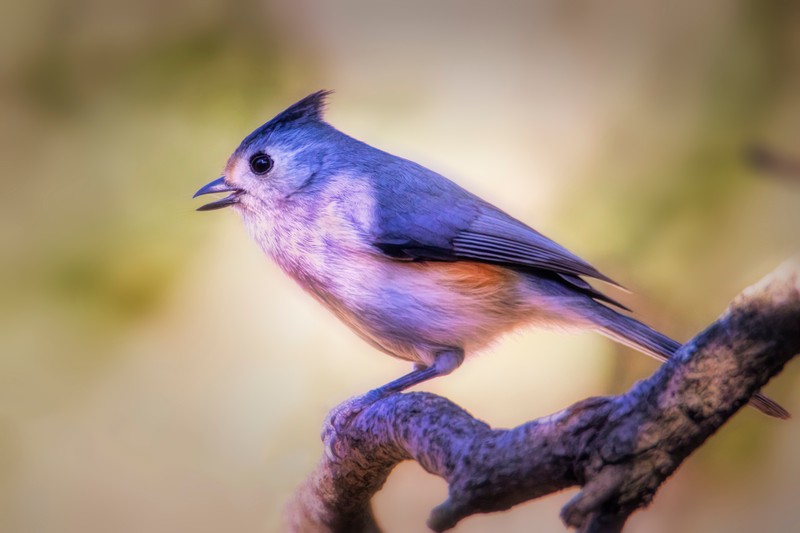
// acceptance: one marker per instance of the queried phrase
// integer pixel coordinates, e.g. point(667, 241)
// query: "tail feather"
point(632, 333)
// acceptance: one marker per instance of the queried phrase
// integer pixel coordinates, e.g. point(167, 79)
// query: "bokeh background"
point(158, 374)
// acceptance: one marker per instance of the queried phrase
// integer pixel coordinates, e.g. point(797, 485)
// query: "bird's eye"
point(260, 163)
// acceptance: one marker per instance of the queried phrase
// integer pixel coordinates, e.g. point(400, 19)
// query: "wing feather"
point(494, 235)
point(426, 217)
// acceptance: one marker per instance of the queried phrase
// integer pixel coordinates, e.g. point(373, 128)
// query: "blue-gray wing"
point(425, 217)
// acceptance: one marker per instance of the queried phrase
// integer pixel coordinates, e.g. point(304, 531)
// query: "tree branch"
point(619, 449)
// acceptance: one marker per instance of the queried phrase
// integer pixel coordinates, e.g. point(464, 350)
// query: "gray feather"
point(425, 216)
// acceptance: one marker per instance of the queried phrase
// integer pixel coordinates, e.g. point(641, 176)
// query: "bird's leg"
point(340, 416)
point(443, 364)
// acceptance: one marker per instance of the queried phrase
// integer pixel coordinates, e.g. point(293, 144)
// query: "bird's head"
point(280, 157)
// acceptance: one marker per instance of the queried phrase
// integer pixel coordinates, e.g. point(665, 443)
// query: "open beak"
point(219, 185)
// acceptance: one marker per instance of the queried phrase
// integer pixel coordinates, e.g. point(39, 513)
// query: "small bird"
point(417, 266)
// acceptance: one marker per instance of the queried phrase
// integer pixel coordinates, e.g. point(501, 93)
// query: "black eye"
point(260, 164)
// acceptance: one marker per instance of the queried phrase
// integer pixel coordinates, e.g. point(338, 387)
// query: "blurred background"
point(158, 374)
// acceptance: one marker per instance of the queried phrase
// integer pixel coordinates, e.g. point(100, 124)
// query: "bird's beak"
point(219, 185)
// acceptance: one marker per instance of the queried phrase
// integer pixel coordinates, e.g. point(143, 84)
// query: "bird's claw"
point(339, 419)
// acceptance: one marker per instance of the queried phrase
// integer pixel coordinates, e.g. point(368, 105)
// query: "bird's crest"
point(309, 108)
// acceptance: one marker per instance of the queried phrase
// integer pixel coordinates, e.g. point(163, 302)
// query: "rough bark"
point(618, 449)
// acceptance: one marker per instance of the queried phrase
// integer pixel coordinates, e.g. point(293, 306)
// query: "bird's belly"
point(413, 310)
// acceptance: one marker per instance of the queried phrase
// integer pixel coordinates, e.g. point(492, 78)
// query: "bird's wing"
point(446, 223)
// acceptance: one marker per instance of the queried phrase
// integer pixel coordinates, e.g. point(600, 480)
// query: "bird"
point(417, 266)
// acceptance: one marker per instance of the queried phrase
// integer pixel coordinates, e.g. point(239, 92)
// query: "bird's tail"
point(632, 333)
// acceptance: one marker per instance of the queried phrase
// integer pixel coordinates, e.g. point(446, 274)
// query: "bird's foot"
point(340, 417)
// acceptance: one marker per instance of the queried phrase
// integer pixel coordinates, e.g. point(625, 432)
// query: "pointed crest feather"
point(309, 108)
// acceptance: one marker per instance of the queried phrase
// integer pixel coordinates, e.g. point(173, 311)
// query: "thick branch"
point(619, 449)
